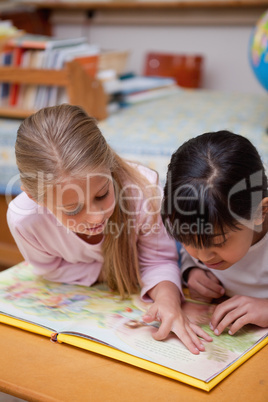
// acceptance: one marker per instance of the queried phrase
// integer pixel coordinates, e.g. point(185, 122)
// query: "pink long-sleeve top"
point(59, 255)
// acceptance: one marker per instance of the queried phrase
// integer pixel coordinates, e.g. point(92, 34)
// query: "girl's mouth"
point(215, 265)
point(96, 229)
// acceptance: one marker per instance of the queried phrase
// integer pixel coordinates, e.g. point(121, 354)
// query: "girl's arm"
point(52, 266)
point(158, 259)
point(167, 309)
point(160, 275)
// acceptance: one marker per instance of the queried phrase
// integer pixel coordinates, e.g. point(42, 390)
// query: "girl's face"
point(83, 206)
point(224, 253)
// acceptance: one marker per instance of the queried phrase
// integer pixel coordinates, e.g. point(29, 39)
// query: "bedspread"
point(150, 131)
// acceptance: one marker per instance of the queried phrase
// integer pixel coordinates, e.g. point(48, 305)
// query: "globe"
point(258, 50)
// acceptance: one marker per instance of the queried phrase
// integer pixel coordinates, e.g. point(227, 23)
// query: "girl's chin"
point(95, 231)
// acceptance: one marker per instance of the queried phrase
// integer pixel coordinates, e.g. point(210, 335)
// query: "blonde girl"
point(86, 215)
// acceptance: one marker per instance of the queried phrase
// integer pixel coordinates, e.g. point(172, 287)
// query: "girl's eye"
point(75, 211)
point(101, 197)
point(220, 244)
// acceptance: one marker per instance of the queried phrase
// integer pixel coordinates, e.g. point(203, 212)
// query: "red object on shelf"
point(185, 69)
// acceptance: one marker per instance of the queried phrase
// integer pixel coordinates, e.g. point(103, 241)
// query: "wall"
point(225, 47)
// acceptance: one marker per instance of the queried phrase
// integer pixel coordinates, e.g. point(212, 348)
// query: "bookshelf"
point(153, 12)
point(141, 4)
point(82, 89)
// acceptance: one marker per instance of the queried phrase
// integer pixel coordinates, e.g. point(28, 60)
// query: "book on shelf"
point(5, 60)
point(7, 31)
point(98, 320)
point(135, 84)
point(144, 96)
point(14, 87)
point(32, 41)
point(28, 92)
point(43, 52)
point(130, 89)
point(56, 95)
point(8, 57)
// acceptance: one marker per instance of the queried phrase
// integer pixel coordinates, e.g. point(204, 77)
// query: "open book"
point(96, 319)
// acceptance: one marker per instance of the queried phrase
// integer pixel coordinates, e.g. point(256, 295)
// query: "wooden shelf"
point(15, 113)
point(94, 5)
point(34, 76)
point(157, 13)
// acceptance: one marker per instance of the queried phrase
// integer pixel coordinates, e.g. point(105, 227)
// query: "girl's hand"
point(239, 311)
point(204, 286)
point(167, 309)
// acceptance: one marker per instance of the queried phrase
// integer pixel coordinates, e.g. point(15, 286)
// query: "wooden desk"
point(35, 369)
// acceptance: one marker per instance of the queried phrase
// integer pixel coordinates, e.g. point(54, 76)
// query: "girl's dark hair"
point(214, 182)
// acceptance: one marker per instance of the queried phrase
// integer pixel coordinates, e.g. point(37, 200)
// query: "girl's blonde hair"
point(63, 141)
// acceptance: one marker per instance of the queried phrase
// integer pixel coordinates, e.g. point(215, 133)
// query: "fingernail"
point(216, 332)
point(202, 347)
point(222, 292)
point(146, 317)
point(211, 326)
point(230, 332)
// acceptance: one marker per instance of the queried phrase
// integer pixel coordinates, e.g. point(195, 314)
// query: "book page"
point(100, 314)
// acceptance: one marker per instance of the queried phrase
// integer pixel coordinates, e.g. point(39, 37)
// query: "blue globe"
point(258, 50)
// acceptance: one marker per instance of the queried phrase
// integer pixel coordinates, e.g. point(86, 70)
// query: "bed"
point(150, 131)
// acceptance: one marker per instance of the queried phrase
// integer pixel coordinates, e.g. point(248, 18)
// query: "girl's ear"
point(262, 211)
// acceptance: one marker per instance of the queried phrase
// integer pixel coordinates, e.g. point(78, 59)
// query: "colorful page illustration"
point(100, 314)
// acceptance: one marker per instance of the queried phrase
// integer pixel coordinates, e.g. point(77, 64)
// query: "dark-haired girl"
point(216, 204)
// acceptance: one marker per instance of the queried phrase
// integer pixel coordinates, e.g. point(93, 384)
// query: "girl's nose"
point(95, 217)
point(205, 255)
